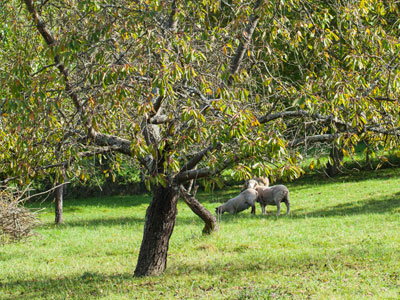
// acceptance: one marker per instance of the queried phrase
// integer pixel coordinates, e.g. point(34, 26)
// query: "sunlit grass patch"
point(340, 241)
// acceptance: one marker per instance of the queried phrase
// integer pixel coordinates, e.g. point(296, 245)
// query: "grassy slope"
point(341, 242)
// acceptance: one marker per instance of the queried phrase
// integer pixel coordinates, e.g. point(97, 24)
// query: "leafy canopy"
point(189, 88)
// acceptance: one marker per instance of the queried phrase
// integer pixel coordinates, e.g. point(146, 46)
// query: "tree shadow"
point(117, 221)
point(108, 202)
point(385, 204)
point(105, 221)
point(322, 180)
point(93, 285)
point(89, 285)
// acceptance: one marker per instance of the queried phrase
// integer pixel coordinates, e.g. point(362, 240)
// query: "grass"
point(341, 241)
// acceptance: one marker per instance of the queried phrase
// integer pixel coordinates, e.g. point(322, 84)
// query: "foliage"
point(340, 242)
point(158, 81)
point(100, 182)
point(16, 221)
point(188, 89)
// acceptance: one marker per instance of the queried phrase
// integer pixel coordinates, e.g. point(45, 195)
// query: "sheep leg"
point(287, 207)
point(253, 209)
point(262, 208)
point(278, 205)
point(286, 200)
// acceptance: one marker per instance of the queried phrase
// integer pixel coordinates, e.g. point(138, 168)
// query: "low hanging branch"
point(208, 218)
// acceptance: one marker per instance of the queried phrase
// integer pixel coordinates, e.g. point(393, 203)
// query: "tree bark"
point(59, 205)
point(59, 201)
point(209, 219)
point(158, 227)
point(336, 156)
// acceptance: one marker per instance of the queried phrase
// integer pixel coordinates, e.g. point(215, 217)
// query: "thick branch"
point(51, 41)
point(313, 139)
point(106, 140)
point(244, 44)
point(290, 114)
point(328, 119)
point(208, 218)
point(121, 145)
point(206, 172)
point(198, 157)
point(64, 163)
point(172, 20)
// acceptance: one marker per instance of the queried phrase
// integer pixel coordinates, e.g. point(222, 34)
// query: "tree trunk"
point(209, 219)
point(59, 205)
point(368, 156)
point(336, 156)
point(158, 227)
point(59, 201)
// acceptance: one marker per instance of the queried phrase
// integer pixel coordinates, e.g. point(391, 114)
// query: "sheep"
point(241, 202)
point(261, 181)
point(272, 195)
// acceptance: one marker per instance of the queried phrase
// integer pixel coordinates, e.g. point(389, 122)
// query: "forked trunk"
point(158, 227)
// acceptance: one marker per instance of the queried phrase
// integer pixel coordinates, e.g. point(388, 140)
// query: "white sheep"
point(243, 201)
point(261, 181)
point(272, 195)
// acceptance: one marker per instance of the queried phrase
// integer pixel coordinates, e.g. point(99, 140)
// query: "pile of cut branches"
point(16, 221)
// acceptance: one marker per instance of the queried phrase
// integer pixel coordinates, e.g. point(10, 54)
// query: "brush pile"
point(16, 221)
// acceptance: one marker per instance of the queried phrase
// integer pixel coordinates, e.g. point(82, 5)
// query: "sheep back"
point(260, 181)
point(243, 201)
point(271, 195)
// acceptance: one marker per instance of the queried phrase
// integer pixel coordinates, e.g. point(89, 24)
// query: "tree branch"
point(64, 163)
point(313, 139)
point(208, 218)
point(206, 172)
point(383, 99)
point(172, 20)
point(244, 43)
point(283, 114)
point(198, 157)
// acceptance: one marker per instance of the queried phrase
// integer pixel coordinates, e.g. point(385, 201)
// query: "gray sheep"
point(243, 201)
point(273, 195)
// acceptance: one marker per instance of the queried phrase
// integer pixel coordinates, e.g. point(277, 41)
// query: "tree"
point(189, 89)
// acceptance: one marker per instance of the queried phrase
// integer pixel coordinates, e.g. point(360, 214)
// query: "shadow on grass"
point(94, 285)
point(74, 205)
point(85, 286)
point(367, 206)
point(357, 176)
point(363, 206)
point(118, 221)
point(106, 221)
point(381, 205)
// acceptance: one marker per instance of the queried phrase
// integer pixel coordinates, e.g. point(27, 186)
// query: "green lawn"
point(341, 241)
